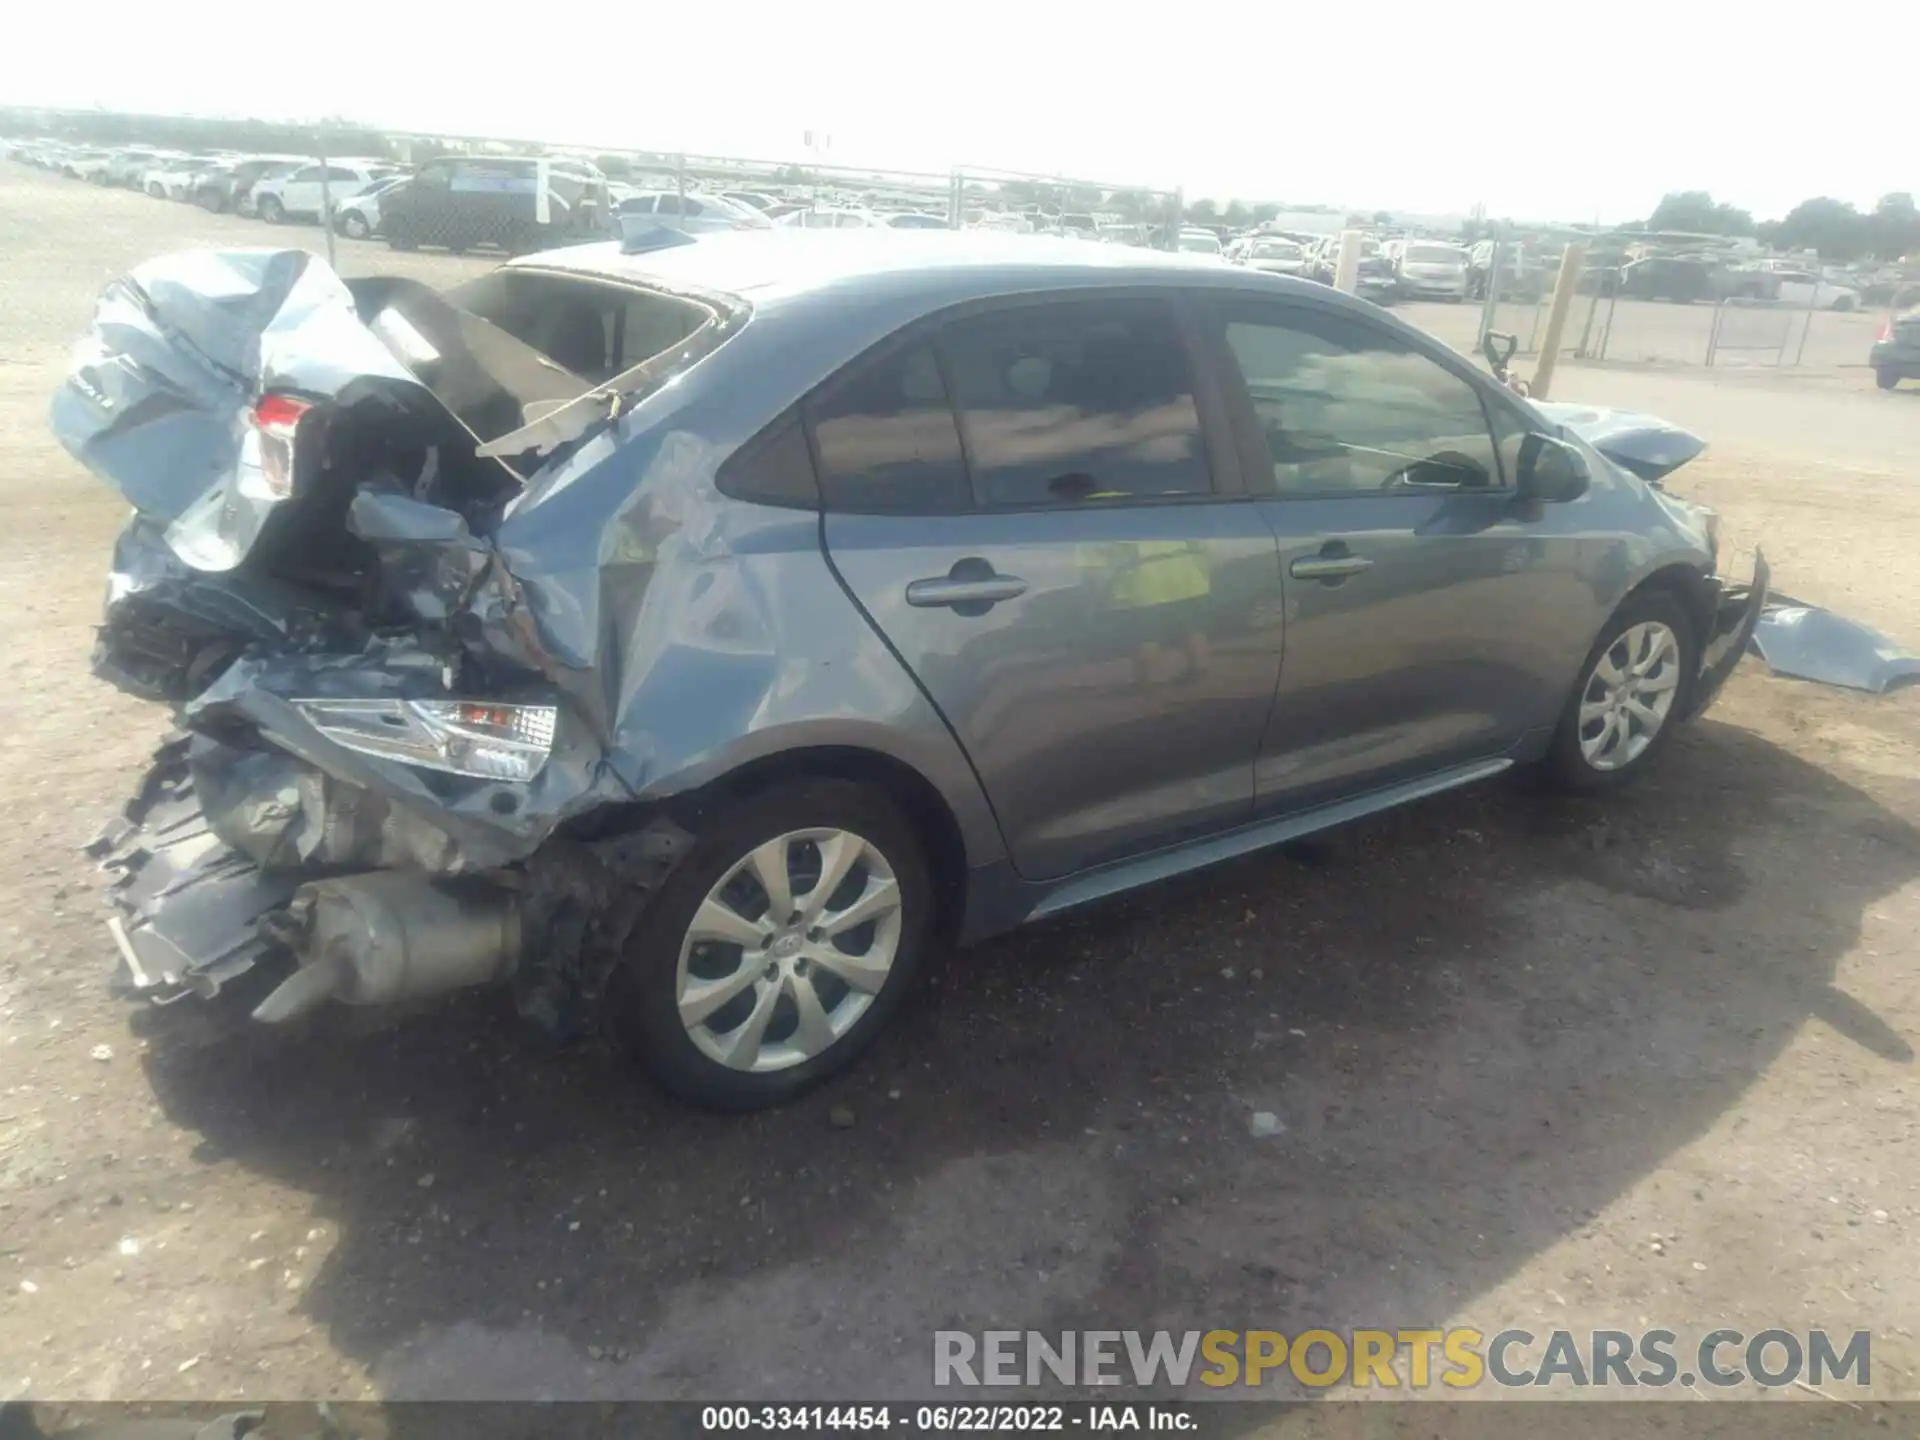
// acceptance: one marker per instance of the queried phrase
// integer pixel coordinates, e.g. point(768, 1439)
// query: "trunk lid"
point(1644, 445)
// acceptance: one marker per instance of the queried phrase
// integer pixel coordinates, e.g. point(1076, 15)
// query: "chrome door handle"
point(1328, 567)
point(945, 590)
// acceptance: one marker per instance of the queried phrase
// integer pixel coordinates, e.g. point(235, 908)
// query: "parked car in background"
point(229, 186)
point(464, 202)
point(753, 199)
point(1896, 353)
point(768, 682)
point(358, 217)
point(128, 163)
point(1521, 276)
point(299, 194)
point(1429, 270)
point(1195, 241)
point(694, 212)
point(830, 217)
point(89, 165)
point(1682, 279)
point(915, 220)
point(1269, 253)
point(174, 177)
point(1804, 288)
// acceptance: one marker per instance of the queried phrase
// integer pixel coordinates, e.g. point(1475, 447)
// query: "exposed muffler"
point(390, 935)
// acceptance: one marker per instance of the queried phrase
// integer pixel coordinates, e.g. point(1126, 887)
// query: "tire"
point(270, 210)
point(1886, 379)
point(1573, 762)
point(157, 190)
point(1843, 304)
point(211, 201)
point(399, 240)
point(354, 226)
point(718, 876)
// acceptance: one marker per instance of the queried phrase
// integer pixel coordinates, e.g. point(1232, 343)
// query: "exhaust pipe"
point(390, 935)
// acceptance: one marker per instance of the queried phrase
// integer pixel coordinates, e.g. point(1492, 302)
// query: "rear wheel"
point(400, 240)
point(778, 948)
point(271, 210)
point(1886, 379)
point(1631, 696)
point(354, 225)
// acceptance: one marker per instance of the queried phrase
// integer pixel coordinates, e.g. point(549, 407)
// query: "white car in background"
point(86, 165)
point(1195, 241)
point(1803, 287)
point(173, 177)
point(831, 217)
point(695, 212)
point(358, 216)
point(299, 195)
point(1272, 254)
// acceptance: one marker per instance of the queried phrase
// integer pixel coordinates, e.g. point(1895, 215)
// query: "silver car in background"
point(687, 635)
point(1429, 269)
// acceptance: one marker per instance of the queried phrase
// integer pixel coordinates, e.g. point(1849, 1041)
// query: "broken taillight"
point(277, 419)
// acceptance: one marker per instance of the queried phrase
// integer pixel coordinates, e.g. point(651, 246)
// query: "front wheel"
point(1632, 693)
point(271, 210)
point(354, 225)
point(778, 948)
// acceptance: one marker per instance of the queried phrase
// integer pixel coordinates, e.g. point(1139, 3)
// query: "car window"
point(340, 172)
point(305, 172)
point(1347, 409)
point(691, 206)
point(885, 434)
point(1074, 402)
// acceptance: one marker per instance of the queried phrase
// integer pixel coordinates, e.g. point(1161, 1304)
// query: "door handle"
point(975, 592)
point(1328, 567)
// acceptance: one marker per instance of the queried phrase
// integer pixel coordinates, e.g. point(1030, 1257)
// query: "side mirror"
point(1551, 471)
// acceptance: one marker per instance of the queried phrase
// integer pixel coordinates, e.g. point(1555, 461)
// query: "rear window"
point(593, 330)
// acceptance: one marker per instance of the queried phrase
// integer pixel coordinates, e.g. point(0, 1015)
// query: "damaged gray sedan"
point(684, 635)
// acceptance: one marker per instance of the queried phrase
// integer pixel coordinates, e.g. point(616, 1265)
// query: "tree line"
point(1833, 228)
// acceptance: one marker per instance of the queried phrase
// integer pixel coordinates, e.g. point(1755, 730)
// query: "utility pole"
point(1572, 259)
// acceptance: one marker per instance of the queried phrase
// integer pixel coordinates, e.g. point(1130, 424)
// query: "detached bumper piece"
point(185, 904)
point(1737, 612)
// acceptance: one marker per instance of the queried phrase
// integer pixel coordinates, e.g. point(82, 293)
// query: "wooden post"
point(1346, 274)
point(1571, 261)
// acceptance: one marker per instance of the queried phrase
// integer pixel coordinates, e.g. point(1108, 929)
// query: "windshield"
point(1276, 250)
point(1435, 255)
point(1202, 244)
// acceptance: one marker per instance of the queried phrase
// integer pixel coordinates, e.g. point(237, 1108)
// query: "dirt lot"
point(1540, 1064)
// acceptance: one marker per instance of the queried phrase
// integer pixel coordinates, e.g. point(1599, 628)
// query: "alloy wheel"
point(1628, 695)
point(789, 949)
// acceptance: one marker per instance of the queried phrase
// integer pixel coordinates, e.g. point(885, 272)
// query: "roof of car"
point(936, 266)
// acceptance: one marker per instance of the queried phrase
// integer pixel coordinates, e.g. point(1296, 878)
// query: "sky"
point(1556, 110)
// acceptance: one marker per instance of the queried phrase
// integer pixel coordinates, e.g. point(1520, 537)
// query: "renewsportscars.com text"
point(1459, 1359)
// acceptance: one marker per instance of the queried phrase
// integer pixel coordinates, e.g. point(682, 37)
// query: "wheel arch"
point(921, 801)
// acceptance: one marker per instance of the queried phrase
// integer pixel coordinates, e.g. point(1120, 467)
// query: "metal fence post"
point(326, 206)
point(1490, 303)
point(1346, 270)
point(957, 198)
point(1806, 323)
point(1713, 331)
point(680, 184)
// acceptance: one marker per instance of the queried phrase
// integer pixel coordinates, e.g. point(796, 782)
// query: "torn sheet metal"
point(1644, 445)
point(185, 905)
point(1810, 643)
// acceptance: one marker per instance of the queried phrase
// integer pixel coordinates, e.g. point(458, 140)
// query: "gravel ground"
point(1538, 1063)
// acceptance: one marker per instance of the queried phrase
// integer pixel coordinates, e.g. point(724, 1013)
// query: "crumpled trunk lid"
point(1644, 445)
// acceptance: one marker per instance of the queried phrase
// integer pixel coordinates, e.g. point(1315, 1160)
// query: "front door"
point(1061, 570)
point(1429, 613)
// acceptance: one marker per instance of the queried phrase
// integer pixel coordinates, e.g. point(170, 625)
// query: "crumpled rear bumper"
point(1736, 613)
point(184, 903)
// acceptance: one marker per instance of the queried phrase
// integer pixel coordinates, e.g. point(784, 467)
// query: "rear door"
point(1430, 616)
point(1039, 506)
